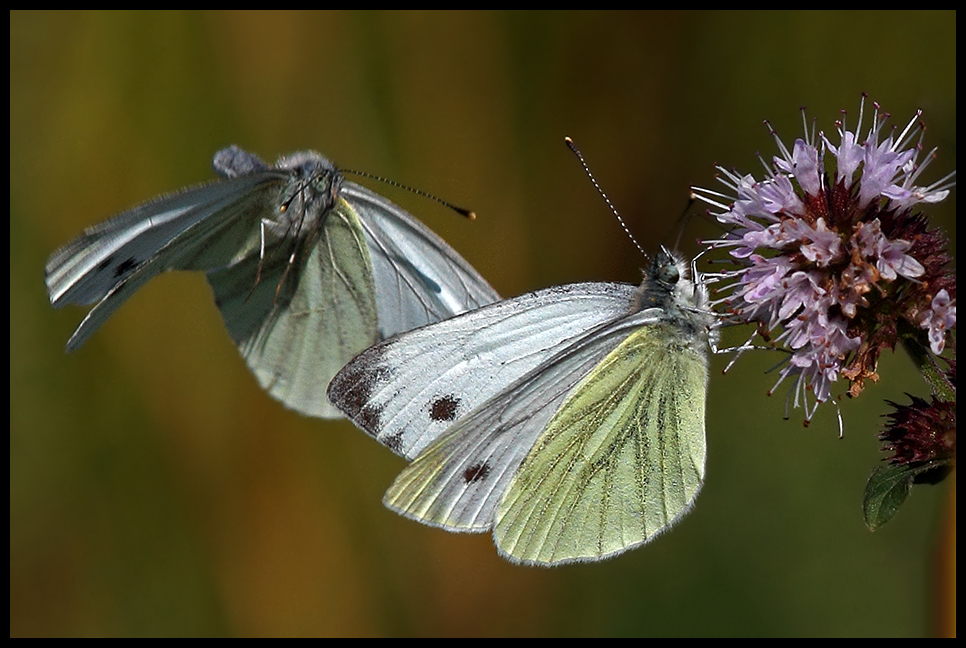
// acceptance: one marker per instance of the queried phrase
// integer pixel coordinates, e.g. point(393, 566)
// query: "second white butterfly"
point(308, 269)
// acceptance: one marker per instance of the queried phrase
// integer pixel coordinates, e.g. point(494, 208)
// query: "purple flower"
point(940, 317)
point(830, 252)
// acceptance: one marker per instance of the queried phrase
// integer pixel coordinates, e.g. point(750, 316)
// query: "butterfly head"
point(313, 187)
point(666, 280)
point(669, 288)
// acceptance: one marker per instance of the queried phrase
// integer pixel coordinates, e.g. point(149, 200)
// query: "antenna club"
point(459, 210)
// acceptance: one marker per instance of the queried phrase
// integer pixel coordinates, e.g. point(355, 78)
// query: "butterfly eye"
point(669, 274)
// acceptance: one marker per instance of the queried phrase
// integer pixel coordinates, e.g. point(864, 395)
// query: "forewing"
point(621, 461)
point(89, 267)
point(458, 481)
point(408, 390)
point(204, 227)
point(298, 324)
point(419, 278)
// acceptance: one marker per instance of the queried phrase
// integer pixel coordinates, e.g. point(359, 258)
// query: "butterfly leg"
point(261, 256)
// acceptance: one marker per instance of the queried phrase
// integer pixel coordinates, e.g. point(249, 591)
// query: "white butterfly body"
point(569, 421)
point(308, 269)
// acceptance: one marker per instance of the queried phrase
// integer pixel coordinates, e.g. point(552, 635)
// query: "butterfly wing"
point(297, 325)
point(204, 225)
point(457, 482)
point(621, 460)
point(410, 389)
point(419, 278)
point(372, 271)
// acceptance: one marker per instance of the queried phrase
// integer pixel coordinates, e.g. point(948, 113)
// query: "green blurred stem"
point(927, 363)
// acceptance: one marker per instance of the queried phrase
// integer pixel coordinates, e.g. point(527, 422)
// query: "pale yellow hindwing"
point(620, 461)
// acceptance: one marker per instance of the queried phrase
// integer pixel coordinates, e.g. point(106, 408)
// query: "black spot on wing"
point(394, 442)
point(476, 473)
point(352, 388)
point(125, 267)
point(368, 418)
point(430, 284)
point(444, 408)
point(105, 264)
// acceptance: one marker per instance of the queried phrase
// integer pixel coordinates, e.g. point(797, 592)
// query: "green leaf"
point(888, 488)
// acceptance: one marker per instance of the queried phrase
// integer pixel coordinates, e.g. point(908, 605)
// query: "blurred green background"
point(155, 490)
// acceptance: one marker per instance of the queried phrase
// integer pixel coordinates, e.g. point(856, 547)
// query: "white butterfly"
point(569, 421)
point(308, 269)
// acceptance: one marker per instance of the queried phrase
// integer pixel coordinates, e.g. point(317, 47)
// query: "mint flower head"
point(832, 258)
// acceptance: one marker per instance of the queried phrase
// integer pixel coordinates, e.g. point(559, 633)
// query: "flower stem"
point(926, 363)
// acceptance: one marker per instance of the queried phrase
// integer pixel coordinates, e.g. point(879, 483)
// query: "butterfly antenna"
point(576, 151)
point(392, 183)
point(686, 217)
